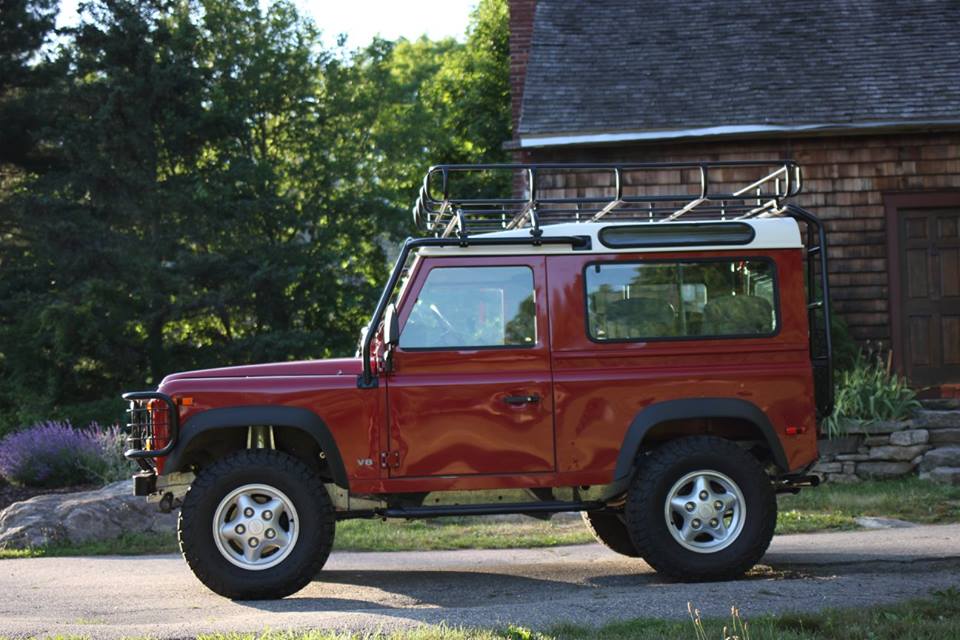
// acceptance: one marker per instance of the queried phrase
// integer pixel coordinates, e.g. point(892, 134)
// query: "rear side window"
point(663, 300)
point(473, 307)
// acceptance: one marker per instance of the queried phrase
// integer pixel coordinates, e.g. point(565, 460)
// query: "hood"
point(332, 367)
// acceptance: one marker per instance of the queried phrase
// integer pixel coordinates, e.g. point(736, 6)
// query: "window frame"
point(692, 230)
point(778, 320)
point(415, 296)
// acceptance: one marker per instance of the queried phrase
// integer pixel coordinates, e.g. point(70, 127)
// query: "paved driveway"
point(110, 597)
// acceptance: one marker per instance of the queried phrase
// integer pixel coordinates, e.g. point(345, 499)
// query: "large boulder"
point(75, 518)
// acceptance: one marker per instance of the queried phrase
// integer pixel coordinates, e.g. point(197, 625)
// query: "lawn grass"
point(835, 506)
point(829, 507)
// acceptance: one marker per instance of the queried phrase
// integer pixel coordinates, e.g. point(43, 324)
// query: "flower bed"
point(55, 454)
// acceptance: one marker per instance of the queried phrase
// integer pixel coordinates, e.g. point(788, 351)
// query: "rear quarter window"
point(689, 299)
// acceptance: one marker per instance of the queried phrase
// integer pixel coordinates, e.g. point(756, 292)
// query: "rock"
point(870, 522)
point(941, 457)
point(849, 467)
point(875, 441)
point(827, 467)
point(940, 437)
point(883, 469)
point(842, 478)
point(853, 457)
point(103, 514)
point(946, 475)
point(930, 419)
point(942, 404)
point(910, 437)
point(877, 427)
point(897, 453)
point(844, 444)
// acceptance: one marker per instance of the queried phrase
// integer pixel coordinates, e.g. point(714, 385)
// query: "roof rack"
point(453, 200)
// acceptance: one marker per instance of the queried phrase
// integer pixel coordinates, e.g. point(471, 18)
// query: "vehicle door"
point(470, 391)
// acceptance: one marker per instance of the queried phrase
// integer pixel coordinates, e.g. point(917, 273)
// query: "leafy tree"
point(202, 182)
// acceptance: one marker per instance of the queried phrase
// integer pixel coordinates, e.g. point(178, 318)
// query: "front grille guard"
point(141, 430)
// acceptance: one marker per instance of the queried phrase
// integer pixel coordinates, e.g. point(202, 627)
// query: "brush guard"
point(151, 418)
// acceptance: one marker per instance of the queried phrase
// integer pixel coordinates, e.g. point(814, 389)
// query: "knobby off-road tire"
point(726, 475)
point(304, 521)
point(610, 530)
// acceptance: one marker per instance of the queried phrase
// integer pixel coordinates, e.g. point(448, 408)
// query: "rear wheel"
point(610, 530)
point(701, 508)
point(255, 525)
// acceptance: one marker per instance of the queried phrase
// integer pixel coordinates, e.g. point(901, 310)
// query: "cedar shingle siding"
point(881, 78)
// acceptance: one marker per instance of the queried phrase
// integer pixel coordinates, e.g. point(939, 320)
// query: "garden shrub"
point(54, 454)
point(870, 391)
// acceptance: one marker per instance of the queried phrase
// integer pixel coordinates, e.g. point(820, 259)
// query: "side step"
point(499, 508)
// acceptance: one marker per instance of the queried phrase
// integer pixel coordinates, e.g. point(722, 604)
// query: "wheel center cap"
point(255, 527)
point(705, 511)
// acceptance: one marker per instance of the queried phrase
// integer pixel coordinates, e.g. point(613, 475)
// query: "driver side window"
point(469, 307)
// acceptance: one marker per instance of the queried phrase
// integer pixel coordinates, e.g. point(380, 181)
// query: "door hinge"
point(389, 459)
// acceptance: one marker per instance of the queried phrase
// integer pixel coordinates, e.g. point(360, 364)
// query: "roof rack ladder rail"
point(693, 204)
point(815, 228)
point(618, 197)
point(531, 203)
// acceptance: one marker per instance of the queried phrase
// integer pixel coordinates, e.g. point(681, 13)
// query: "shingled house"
point(864, 94)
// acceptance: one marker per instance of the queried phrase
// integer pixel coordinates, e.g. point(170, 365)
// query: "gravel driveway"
point(110, 597)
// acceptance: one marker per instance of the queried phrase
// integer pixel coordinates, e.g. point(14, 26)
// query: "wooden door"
point(929, 292)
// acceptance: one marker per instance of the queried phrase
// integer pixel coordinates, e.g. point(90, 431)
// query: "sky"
point(363, 19)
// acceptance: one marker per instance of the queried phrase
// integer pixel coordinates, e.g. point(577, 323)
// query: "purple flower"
point(54, 454)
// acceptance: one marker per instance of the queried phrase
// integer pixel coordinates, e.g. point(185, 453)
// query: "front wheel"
point(701, 508)
point(258, 524)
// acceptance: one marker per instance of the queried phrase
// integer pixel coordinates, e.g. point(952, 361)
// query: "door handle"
point(519, 400)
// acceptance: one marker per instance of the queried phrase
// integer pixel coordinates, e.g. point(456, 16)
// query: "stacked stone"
point(928, 444)
point(887, 449)
point(942, 462)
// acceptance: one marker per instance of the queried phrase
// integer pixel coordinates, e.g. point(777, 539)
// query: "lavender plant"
point(54, 454)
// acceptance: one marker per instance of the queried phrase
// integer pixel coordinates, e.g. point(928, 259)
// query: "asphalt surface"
point(157, 596)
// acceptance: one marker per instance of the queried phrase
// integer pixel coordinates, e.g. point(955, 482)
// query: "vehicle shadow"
point(406, 589)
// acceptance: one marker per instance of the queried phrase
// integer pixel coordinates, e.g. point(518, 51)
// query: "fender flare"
point(668, 410)
point(293, 417)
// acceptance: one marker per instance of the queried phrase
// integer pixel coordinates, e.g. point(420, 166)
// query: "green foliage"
point(870, 391)
point(202, 182)
point(845, 348)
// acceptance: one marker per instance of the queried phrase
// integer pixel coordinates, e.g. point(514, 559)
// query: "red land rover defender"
point(654, 357)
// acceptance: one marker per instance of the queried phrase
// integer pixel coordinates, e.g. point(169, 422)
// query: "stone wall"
point(928, 445)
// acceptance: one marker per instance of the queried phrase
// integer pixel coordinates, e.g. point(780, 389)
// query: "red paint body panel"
point(447, 411)
point(443, 409)
point(354, 416)
point(600, 387)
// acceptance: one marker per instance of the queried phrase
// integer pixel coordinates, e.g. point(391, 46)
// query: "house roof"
point(617, 70)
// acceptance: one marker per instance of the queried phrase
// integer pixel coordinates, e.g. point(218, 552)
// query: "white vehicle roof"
point(768, 233)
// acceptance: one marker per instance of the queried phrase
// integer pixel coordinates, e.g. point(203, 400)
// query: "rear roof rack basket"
point(456, 200)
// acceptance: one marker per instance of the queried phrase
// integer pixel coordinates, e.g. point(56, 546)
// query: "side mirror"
point(391, 326)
